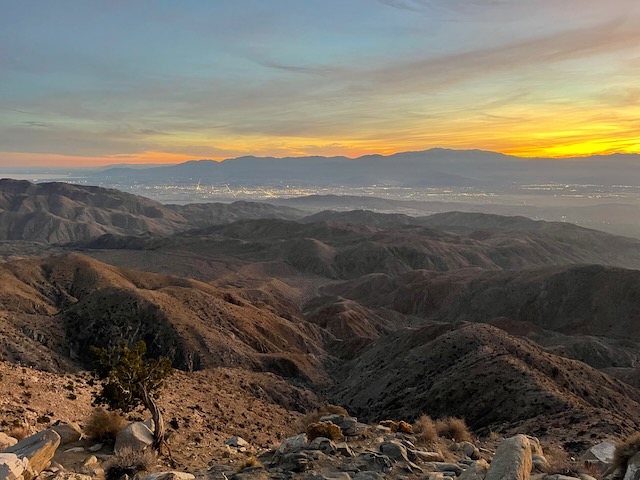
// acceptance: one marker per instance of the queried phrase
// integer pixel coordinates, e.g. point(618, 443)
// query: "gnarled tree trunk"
point(158, 421)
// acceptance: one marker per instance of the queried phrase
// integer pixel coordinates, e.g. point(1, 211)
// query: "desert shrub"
point(251, 462)
point(425, 429)
point(128, 461)
point(324, 429)
point(558, 461)
point(103, 425)
point(625, 451)
point(19, 431)
point(454, 428)
point(315, 416)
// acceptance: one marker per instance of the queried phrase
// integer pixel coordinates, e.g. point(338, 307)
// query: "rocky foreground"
point(334, 447)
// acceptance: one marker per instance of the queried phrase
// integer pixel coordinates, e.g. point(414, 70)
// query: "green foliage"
point(129, 379)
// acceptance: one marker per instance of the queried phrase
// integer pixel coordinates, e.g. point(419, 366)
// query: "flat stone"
point(38, 449)
point(169, 476)
point(69, 432)
point(427, 456)
point(237, 442)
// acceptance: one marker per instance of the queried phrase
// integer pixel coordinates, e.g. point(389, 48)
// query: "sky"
point(86, 83)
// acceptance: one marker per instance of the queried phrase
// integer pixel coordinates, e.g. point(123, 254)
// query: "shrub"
point(315, 416)
point(425, 429)
point(251, 462)
point(19, 431)
point(454, 428)
point(324, 429)
point(128, 461)
point(558, 461)
point(625, 451)
point(104, 425)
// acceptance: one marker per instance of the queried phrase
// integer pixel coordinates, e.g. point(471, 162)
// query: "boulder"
point(601, 454)
point(6, 441)
point(349, 425)
point(292, 444)
point(394, 449)
point(136, 436)
point(12, 467)
point(470, 450)
point(345, 450)
point(476, 471)
point(325, 445)
point(169, 476)
point(375, 462)
point(368, 475)
point(38, 450)
point(237, 442)
point(633, 468)
point(69, 432)
point(294, 462)
point(512, 461)
point(427, 456)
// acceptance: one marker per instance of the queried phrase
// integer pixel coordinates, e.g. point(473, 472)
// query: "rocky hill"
point(60, 213)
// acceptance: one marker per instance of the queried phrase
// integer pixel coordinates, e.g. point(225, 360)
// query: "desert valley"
point(271, 313)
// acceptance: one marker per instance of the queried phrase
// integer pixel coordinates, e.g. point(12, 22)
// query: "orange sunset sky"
point(106, 82)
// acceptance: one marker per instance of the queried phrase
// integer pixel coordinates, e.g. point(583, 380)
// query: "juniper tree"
point(130, 380)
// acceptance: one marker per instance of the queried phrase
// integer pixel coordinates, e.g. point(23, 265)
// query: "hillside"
point(55, 308)
point(493, 380)
point(61, 213)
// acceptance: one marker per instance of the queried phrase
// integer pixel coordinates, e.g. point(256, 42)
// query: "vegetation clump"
point(453, 428)
point(130, 380)
point(251, 462)
point(625, 451)
point(104, 425)
point(425, 430)
point(128, 461)
point(324, 429)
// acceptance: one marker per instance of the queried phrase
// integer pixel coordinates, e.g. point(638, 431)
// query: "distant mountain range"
point(431, 168)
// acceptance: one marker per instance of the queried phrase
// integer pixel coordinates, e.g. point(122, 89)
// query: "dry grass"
point(315, 416)
point(19, 432)
point(558, 461)
point(251, 462)
point(625, 451)
point(128, 461)
point(425, 429)
point(453, 428)
point(324, 429)
point(103, 425)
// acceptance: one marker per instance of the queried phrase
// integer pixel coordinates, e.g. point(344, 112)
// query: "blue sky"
point(96, 82)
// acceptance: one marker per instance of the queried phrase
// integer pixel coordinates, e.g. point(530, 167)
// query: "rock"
point(325, 445)
point(6, 441)
point(476, 471)
point(633, 468)
point(601, 455)
point(95, 448)
point(512, 461)
point(69, 432)
point(38, 450)
point(375, 462)
point(63, 475)
point(169, 476)
point(394, 449)
point(540, 462)
point(368, 475)
point(348, 425)
point(470, 450)
point(559, 477)
point(445, 467)
point(292, 444)
point(294, 462)
point(535, 445)
point(382, 429)
point(136, 436)
point(331, 476)
point(237, 442)
point(584, 476)
point(12, 467)
point(91, 467)
point(74, 450)
point(345, 450)
point(427, 456)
